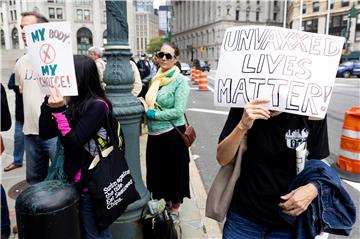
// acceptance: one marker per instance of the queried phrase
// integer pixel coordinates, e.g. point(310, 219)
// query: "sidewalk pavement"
point(193, 223)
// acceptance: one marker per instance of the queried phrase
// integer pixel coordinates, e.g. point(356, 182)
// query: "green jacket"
point(172, 98)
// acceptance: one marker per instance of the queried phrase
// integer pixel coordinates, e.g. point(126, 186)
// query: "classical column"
point(127, 109)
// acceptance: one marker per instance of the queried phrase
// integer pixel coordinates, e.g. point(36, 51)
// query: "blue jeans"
point(237, 227)
point(87, 217)
point(18, 144)
point(38, 153)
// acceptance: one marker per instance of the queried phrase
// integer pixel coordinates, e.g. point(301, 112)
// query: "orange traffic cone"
point(197, 76)
point(348, 161)
point(203, 82)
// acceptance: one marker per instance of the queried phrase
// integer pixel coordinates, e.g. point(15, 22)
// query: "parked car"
point(356, 69)
point(204, 65)
point(185, 68)
point(348, 68)
point(201, 65)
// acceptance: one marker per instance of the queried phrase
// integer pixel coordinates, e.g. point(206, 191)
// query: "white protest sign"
point(295, 70)
point(50, 51)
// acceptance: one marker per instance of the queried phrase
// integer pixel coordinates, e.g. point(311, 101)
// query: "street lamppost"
point(352, 14)
point(126, 108)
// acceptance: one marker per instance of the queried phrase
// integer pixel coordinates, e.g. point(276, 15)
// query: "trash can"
point(49, 209)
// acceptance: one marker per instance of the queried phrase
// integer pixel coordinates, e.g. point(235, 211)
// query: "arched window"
point(84, 40)
point(2, 38)
point(105, 37)
point(15, 38)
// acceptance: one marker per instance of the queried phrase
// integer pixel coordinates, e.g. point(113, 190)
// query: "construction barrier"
point(348, 161)
point(197, 75)
point(203, 81)
point(193, 74)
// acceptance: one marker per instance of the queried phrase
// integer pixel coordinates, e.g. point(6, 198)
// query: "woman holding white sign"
point(77, 120)
point(268, 167)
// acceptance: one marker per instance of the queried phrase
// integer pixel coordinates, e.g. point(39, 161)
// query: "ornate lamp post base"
point(127, 109)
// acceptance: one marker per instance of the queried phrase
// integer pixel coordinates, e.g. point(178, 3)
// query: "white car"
point(185, 68)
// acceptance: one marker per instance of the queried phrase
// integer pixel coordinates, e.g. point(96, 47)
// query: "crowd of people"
point(261, 197)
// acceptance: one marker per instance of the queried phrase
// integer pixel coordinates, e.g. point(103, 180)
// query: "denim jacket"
point(333, 210)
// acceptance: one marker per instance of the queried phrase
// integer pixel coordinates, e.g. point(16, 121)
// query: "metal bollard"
point(49, 209)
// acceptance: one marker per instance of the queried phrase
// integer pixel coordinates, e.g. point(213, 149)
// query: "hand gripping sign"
point(50, 51)
point(295, 70)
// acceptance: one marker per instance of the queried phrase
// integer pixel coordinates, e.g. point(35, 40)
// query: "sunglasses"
point(168, 56)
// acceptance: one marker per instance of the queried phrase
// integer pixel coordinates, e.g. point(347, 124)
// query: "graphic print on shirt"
point(296, 137)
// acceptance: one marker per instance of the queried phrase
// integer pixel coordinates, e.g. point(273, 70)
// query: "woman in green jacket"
point(167, 157)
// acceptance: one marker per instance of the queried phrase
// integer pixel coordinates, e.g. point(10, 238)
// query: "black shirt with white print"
point(269, 164)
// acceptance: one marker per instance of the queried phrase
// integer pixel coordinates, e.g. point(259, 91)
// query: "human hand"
point(150, 114)
point(143, 102)
point(56, 100)
point(298, 200)
point(254, 110)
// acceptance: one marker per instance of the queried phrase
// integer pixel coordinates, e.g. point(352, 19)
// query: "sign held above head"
point(295, 70)
point(50, 51)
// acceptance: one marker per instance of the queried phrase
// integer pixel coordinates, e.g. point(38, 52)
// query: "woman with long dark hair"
point(167, 157)
point(76, 120)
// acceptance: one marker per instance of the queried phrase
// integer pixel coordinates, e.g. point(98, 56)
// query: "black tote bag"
point(111, 185)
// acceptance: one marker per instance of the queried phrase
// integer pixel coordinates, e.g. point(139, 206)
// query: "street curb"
point(211, 227)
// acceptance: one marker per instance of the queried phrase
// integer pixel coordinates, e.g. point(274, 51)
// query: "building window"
point(51, 1)
point(247, 13)
point(304, 8)
point(331, 4)
point(2, 38)
point(59, 13)
point(87, 15)
point(275, 3)
point(84, 40)
point(10, 2)
point(275, 16)
point(237, 15)
point(227, 11)
point(311, 25)
point(15, 38)
point(316, 6)
point(79, 14)
point(257, 15)
point(15, 17)
point(345, 3)
point(12, 15)
point(257, 2)
point(51, 13)
point(2, 17)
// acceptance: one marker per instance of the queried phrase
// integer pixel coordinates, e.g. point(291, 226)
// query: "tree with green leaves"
point(155, 44)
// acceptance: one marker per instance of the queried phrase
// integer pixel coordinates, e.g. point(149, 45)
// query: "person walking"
point(38, 151)
point(96, 54)
point(167, 157)
point(19, 147)
point(77, 120)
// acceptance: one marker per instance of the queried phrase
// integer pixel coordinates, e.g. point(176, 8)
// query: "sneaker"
point(175, 217)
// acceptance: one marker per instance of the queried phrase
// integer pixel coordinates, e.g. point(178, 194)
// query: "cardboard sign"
point(295, 70)
point(50, 51)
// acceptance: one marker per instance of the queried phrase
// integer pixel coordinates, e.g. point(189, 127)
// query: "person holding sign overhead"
point(268, 166)
point(38, 151)
point(77, 120)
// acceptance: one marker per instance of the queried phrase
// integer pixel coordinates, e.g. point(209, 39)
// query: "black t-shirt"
point(269, 163)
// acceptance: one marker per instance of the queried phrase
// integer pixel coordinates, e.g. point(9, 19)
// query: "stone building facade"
point(199, 26)
point(314, 18)
point(87, 19)
point(147, 25)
